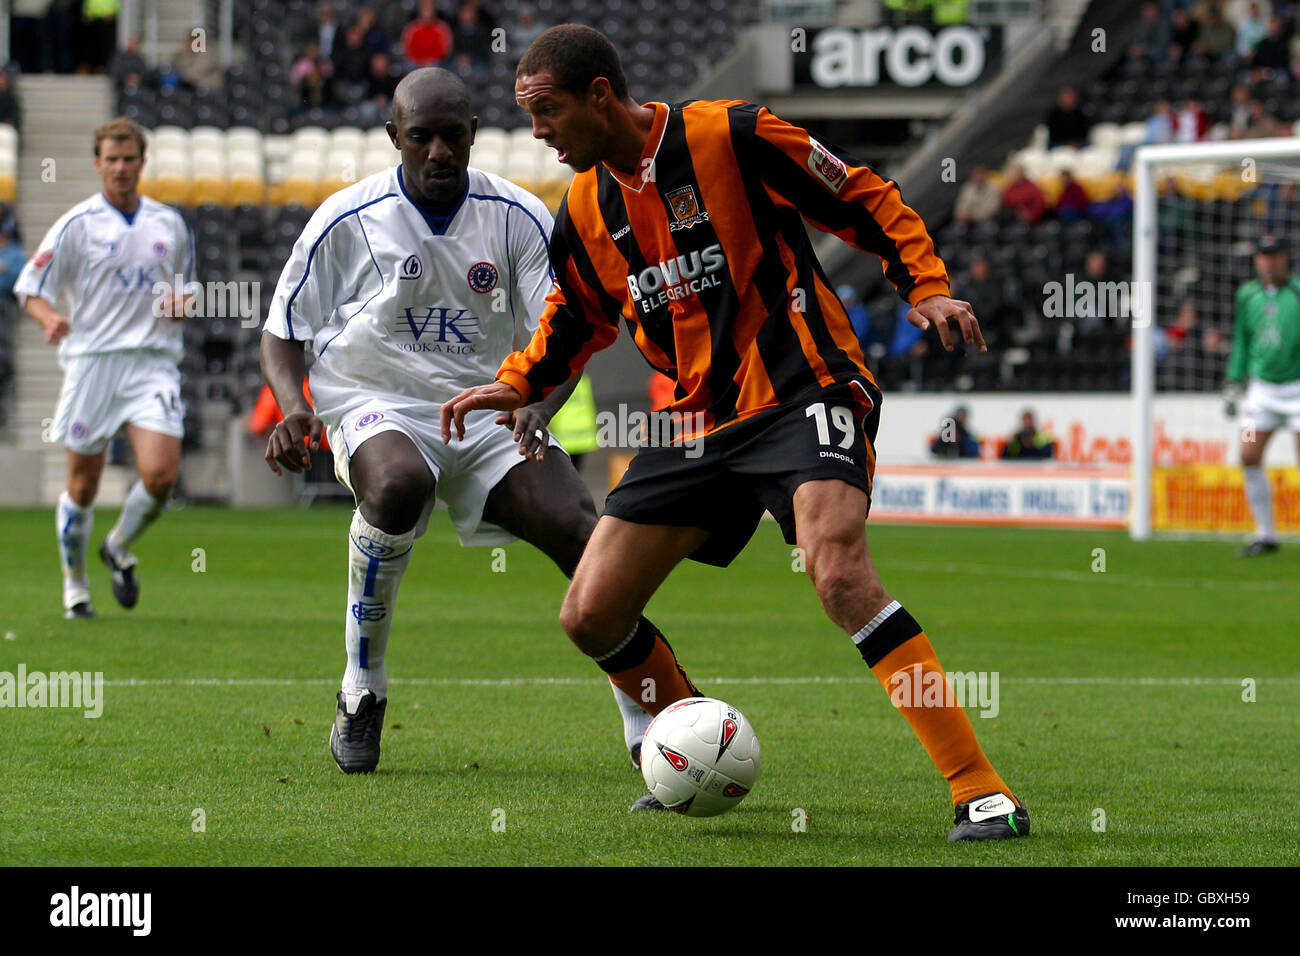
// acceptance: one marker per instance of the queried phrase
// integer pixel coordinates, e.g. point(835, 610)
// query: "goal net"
point(1199, 212)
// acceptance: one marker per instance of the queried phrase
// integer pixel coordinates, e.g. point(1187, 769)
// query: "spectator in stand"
point(373, 35)
point(1190, 124)
point(1238, 111)
point(1072, 203)
point(526, 30)
point(197, 68)
point(1029, 442)
point(310, 75)
point(1066, 123)
point(99, 21)
point(1114, 215)
point(380, 86)
point(1216, 36)
point(1251, 29)
point(12, 261)
point(1023, 197)
point(859, 316)
point(1273, 51)
point(30, 39)
point(10, 110)
point(351, 57)
point(391, 17)
point(979, 199)
point(471, 37)
point(988, 300)
point(127, 66)
point(1152, 38)
point(1159, 129)
point(1090, 313)
point(1183, 31)
point(1261, 125)
point(426, 40)
point(955, 439)
point(327, 28)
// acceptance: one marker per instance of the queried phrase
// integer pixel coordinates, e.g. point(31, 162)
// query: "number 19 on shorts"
point(840, 417)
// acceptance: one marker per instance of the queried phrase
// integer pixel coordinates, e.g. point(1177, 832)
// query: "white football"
point(700, 757)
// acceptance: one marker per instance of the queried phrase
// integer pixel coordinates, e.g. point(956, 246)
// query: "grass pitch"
point(1121, 721)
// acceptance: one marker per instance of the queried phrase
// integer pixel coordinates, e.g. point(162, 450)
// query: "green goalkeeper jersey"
point(1266, 333)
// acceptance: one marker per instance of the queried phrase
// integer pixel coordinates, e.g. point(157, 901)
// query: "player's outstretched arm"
point(938, 310)
point(530, 422)
point(497, 395)
point(284, 367)
point(56, 326)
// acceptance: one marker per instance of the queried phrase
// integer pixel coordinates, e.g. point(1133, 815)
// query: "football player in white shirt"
point(408, 285)
point(119, 346)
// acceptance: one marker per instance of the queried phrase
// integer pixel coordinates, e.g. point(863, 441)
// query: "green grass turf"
point(1092, 713)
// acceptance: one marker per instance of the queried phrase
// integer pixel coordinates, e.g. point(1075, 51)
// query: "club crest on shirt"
point(482, 277)
point(685, 207)
point(827, 167)
point(160, 250)
point(411, 268)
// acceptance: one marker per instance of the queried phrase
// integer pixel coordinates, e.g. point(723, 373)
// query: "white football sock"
point(1260, 497)
point(138, 512)
point(73, 524)
point(376, 562)
point(635, 720)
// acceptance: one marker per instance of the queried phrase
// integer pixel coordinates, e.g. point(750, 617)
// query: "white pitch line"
point(1092, 577)
point(583, 682)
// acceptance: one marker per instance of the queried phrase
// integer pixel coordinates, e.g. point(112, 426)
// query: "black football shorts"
point(753, 466)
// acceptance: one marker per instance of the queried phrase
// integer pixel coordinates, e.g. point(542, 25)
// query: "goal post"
point(1191, 250)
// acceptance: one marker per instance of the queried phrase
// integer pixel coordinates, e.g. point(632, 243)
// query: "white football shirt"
point(104, 265)
point(397, 301)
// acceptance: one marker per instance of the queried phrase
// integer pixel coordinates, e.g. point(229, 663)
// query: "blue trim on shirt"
point(128, 216)
point(513, 202)
point(55, 248)
point(437, 221)
point(369, 300)
point(288, 306)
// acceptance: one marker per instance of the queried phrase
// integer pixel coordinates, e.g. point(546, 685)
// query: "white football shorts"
point(1270, 405)
point(106, 390)
point(465, 471)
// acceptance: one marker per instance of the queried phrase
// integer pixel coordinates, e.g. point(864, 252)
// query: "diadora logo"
point(482, 277)
point(437, 329)
point(42, 259)
point(685, 207)
point(676, 278)
point(369, 419)
point(108, 250)
point(411, 268)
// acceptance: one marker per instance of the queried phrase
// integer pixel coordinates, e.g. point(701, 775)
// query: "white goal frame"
point(1145, 161)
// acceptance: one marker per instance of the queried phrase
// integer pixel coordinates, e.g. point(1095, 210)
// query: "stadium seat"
point(492, 138)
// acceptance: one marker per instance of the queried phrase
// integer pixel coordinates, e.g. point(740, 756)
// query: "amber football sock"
point(645, 656)
point(899, 653)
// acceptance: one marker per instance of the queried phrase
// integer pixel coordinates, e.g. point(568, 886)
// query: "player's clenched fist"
point(497, 395)
point(290, 440)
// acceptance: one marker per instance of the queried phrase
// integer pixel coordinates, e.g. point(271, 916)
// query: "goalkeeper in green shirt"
point(1265, 354)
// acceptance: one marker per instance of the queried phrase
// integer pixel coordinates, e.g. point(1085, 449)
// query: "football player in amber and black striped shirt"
point(685, 223)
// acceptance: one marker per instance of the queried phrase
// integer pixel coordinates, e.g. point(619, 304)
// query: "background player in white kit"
point(104, 257)
point(409, 284)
